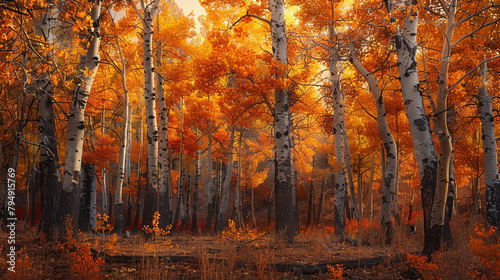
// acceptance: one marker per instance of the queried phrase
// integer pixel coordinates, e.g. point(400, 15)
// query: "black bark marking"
point(420, 123)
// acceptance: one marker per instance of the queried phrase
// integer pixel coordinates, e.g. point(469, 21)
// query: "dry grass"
point(250, 255)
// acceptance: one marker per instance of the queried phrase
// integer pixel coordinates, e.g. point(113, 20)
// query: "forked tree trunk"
point(490, 153)
point(69, 203)
point(221, 219)
point(285, 222)
point(389, 175)
point(425, 154)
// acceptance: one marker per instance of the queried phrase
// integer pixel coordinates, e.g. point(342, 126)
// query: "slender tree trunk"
point(119, 209)
point(179, 211)
point(69, 203)
point(490, 154)
point(50, 177)
point(93, 198)
point(285, 223)
point(338, 116)
point(310, 204)
point(406, 46)
point(360, 189)
point(210, 180)
point(321, 204)
point(165, 204)
point(254, 222)
point(194, 222)
point(443, 168)
point(221, 220)
point(370, 191)
point(139, 176)
point(354, 206)
point(151, 199)
point(237, 202)
point(86, 187)
point(389, 174)
point(185, 218)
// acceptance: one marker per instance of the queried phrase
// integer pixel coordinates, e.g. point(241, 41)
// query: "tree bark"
point(443, 168)
point(147, 18)
point(490, 153)
point(194, 220)
point(425, 154)
point(354, 205)
point(210, 180)
point(69, 203)
point(389, 174)
point(221, 219)
point(237, 201)
point(370, 191)
point(119, 209)
point(338, 116)
point(285, 222)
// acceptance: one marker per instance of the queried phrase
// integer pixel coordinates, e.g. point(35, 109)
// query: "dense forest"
point(353, 123)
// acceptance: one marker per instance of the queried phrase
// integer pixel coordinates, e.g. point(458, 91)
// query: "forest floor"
point(237, 254)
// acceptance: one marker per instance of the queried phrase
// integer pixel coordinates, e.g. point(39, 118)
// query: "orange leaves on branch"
point(105, 151)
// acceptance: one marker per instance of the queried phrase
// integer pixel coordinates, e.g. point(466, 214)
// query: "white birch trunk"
point(443, 170)
point(221, 219)
point(149, 11)
point(389, 181)
point(338, 130)
point(425, 154)
point(119, 209)
point(69, 205)
point(165, 205)
point(490, 153)
point(285, 223)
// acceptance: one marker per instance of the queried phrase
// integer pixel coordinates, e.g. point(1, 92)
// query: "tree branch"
point(474, 31)
point(473, 69)
point(252, 16)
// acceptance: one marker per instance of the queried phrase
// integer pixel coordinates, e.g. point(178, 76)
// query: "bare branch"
point(476, 30)
point(252, 16)
point(476, 14)
point(473, 69)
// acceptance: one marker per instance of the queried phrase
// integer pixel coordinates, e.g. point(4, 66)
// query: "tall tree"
point(119, 209)
point(490, 152)
point(389, 176)
point(87, 69)
point(282, 165)
point(149, 11)
point(221, 219)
